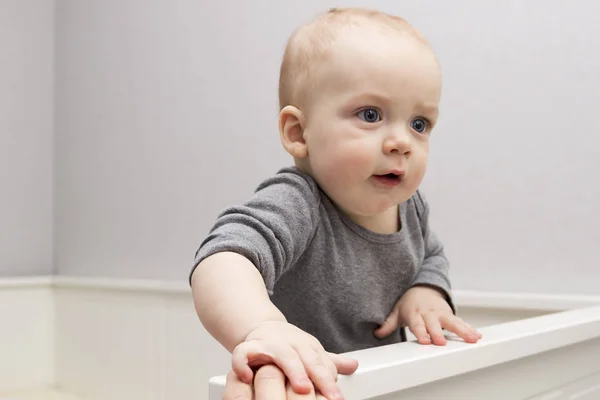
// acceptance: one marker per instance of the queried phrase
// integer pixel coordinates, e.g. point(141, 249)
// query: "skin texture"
point(373, 113)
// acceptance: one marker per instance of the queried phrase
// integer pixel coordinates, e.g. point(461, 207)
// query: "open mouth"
point(390, 179)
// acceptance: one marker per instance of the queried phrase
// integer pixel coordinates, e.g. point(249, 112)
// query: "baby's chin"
point(366, 204)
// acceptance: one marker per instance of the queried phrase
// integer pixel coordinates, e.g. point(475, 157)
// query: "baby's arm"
point(230, 298)
point(233, 304)
point(427, 308)
point(248, 249)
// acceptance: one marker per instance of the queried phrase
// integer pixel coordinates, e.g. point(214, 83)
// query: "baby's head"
point(359, 94)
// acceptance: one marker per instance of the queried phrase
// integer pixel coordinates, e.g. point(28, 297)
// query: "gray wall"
point(26, 91)
point(166, 113)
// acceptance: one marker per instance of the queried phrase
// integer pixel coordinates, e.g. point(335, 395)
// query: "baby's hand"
point(269, 383)
point(298, 354)
point(426, 313)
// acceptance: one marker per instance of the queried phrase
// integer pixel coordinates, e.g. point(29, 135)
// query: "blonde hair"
point(311, 43)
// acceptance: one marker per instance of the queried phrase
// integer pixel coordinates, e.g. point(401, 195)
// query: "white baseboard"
point(47, 394)
point(129, 339)
point(26, 334)
point(144, 339)
point(523, 301)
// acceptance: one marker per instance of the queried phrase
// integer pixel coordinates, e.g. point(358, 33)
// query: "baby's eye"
point(419, 125)
point(370, 115)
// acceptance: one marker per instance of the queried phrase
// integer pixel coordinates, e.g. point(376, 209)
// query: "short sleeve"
point(272, 229)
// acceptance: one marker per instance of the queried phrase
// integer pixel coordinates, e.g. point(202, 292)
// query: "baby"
point(335, 253)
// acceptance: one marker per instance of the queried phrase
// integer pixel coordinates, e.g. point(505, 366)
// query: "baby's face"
point(368, 124)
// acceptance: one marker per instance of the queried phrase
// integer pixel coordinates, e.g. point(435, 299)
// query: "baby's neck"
point(387, 222)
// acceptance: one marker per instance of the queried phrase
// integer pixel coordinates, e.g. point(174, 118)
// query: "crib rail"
point(547, 356)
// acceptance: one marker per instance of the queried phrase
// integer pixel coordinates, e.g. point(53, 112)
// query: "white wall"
point(166, 113)
point(160, 123)
point(26, 91)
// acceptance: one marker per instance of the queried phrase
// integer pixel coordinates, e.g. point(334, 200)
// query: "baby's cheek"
point(359, 160)
point(342, 166)
point(348, 169)
point(418, 170)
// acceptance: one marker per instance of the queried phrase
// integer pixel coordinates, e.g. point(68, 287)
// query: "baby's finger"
point(323, 377)
point(344, 365)
point(253, 354)
point(269, 383)
point(328, 361)
point(434, 327)
point(292, 365)
point(291, 395)
point(235, 389)
point(416, 325)
point(240, 358)
point(313, 395)
point(461, 328)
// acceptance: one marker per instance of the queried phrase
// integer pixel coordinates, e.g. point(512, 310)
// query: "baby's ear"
point(291, 130)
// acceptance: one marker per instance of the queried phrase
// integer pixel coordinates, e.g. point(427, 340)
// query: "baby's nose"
point(397, 142)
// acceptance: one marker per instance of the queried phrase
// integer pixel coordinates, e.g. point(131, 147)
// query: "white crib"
point(554, 356)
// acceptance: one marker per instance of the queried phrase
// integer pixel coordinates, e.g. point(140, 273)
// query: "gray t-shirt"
point(328, 275)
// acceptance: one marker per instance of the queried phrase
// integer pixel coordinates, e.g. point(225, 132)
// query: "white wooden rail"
point(554, 356)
